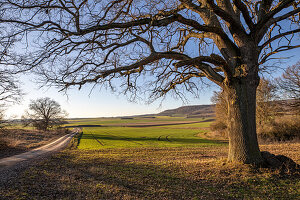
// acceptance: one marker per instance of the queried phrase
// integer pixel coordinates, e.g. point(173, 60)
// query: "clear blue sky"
point(102, 103)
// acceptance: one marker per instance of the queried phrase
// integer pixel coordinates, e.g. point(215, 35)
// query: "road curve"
point(54, 146)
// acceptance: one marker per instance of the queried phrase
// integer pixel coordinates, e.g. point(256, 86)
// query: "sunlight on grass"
point(158, 131)
point(159, 136)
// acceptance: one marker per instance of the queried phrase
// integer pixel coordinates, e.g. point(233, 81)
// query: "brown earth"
point(154, 173)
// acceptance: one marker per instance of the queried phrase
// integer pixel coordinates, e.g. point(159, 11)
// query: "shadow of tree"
point(125, 175)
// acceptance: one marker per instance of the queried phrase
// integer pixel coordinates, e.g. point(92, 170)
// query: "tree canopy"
point(44, 113)
point(176, 41)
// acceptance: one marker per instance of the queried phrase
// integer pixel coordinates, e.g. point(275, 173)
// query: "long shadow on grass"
point(152, 139)
point(96, 175)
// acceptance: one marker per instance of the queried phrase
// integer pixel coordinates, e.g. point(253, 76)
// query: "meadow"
point(95, 138)
point(136, 133)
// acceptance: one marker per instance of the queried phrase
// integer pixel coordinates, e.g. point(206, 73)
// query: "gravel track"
point(11, 166)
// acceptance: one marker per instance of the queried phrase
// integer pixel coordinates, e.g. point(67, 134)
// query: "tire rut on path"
point(160, 138)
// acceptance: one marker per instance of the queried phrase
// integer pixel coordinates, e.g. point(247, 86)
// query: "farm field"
point(137, 121)
point(123, 137)
point(137, 132)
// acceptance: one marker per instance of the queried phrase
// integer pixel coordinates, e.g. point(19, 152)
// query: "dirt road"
point(10, 166)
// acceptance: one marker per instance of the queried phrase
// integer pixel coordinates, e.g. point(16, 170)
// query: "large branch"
point(209, 59)
point(264, 8)
point(208, 71)
point(133, 68)
point(161, 22)
point(283, 17)
point(139, 22)
point(226, 47)
point(211, 73)
point(183, 77)
point(208, 29)
point(235, 26)
point(243, 8)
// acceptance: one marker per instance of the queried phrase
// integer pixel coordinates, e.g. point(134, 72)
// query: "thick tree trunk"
point(243, 145)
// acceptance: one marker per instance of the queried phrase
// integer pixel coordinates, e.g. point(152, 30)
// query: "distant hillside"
point(283, 106)
point(191, 111)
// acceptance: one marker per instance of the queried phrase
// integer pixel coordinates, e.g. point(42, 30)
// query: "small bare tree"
point(44, 113)
point(265, 102)
point(289, 83)
point(221, 109)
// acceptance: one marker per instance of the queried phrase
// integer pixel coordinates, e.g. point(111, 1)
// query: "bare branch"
point(243, 8)
point(278, 37)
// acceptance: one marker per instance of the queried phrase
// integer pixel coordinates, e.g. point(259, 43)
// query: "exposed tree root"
point(280, 162)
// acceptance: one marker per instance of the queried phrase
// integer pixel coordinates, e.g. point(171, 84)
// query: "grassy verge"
point(153, 173)
point(74, 143)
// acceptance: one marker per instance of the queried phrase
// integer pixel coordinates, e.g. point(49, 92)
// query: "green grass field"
point(113, 133)
point(123, 137)
point(118, 120)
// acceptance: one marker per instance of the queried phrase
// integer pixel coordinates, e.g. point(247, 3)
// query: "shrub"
point(219, 127)
point(282, 129)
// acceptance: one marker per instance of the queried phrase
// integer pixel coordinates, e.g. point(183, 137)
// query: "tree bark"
point(241, 96)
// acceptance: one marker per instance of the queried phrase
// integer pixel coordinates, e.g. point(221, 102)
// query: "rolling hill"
point(191, 111)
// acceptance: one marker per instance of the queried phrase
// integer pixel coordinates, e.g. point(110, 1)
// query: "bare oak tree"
point(44, 113)
point(161, 46)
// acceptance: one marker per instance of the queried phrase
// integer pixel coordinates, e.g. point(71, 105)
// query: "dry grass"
point(283, 128)
point(14, 141)
point(153, 173)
